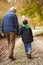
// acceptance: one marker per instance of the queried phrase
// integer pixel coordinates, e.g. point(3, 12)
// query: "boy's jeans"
point(27, 47)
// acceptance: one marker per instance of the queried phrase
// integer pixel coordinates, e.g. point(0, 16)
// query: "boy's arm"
point(31, 33)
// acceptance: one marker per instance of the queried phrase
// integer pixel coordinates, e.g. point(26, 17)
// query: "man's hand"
point(2, 34)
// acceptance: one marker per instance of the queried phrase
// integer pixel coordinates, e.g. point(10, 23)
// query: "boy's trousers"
point(27, 47)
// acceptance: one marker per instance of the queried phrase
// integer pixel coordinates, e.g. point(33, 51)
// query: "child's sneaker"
point(29, 56)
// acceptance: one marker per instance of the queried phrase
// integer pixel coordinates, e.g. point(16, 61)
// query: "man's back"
point(9, 24)
point(10, 21)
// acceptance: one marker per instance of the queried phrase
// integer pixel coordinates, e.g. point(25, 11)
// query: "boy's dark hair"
point(25, 21)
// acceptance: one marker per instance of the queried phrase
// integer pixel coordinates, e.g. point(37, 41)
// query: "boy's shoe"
point(29, 56)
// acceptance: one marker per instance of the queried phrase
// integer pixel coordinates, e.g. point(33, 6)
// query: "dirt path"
point(37, 52)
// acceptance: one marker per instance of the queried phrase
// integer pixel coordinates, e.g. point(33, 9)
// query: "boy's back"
point(26, 34)
point(27, 38)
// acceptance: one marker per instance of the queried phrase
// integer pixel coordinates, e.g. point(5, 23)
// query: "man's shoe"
point(12, 58)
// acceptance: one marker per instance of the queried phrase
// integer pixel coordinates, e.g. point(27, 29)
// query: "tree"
point(33, 8)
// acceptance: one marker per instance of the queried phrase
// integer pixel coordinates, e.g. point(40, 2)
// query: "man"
point(10, 26)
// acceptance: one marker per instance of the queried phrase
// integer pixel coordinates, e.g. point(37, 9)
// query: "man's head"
point(13, 9)
point(25, 21)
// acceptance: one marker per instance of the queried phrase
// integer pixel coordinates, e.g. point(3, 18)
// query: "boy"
point(27, 37)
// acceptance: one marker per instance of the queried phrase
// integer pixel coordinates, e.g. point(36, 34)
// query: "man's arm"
point(2, 25)
point(16, 24)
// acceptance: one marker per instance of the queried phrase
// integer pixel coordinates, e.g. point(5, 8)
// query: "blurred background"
point(32, 10)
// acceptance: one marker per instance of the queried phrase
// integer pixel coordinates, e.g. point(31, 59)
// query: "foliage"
point(33, 10)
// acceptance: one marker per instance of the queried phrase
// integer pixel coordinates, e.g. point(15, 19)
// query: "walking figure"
point(10, 27)
point(27, 37)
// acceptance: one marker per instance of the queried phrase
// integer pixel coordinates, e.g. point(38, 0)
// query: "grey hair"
point(12, 8)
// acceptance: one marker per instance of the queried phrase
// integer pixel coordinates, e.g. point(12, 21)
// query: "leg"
point(25, 47)
point(29, 50)
point(12, 44)
point(8, 38)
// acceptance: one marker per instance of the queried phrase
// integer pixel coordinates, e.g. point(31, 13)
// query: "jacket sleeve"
point(31, 34)
point(21, 31)
point(16, 24)
point(2, 25)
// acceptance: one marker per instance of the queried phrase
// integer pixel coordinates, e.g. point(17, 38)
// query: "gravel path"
point(37, 52)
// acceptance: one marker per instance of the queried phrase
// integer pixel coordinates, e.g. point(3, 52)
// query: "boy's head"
point(25, 21)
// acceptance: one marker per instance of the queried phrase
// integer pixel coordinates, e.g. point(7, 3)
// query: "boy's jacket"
point(26, 34)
